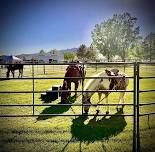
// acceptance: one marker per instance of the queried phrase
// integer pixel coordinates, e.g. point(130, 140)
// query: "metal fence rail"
point(136, 91)
point(138, 95)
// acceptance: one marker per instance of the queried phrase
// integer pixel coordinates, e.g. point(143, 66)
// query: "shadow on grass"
point(97, 129)
point(55, 109)
point(47, 99)
point(4, 79)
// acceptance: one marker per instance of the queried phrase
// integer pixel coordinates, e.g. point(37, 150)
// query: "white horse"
point(115, 83)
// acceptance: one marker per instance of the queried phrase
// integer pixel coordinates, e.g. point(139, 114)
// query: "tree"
point(92, 53)
point(81, 52)
point(88, 53)
point(116, 35)
point(53, 51)
point(42, 52)
point(136, 53)
point(149, 46)
point(69, 56)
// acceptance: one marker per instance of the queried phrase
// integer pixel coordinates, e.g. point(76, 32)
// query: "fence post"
point(33, 86)
point(96, 66)
point(134, 108)
point(138, 136)
point(82, 85)
point(44, 70)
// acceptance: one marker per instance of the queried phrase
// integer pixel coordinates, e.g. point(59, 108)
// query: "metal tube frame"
point(33, 88)
point(134, 144)
point(138, 136)
point(136, 91)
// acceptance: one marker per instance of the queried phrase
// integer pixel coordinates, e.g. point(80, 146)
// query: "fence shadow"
point(56, 109)
point(97, 129)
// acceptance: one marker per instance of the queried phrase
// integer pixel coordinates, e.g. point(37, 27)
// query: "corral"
point(20, 102)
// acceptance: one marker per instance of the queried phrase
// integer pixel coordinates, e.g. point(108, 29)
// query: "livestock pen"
point(26, 119)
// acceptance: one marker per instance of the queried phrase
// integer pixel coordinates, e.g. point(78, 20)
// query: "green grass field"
point(72, 134)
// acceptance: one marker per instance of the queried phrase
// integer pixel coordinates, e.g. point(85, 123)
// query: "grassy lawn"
point(68, 134)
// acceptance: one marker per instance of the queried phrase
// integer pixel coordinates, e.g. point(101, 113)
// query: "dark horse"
point(12, 67)
point(73, 71)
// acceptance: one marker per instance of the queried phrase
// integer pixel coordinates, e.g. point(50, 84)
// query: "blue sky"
point(26, 26)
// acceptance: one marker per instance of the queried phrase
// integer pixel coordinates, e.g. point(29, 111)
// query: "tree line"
point(68, 56)
point(119, 38)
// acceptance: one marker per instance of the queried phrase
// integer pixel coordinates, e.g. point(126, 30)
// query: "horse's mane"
point(122, 82)
point(71, 70)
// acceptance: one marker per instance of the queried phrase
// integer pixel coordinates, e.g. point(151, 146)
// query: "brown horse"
point(12, 68)
point(73, 71)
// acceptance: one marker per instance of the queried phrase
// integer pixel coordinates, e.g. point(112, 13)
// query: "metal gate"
point(136, 81)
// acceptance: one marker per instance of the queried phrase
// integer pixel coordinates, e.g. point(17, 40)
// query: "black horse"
point(14, 67)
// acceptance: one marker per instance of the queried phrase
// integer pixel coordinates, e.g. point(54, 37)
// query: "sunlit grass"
point(72, 133)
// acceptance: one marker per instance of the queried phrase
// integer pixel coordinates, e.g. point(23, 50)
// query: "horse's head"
point(65, 93)
point(113, 72)
point(113, 82)
point(109, 73)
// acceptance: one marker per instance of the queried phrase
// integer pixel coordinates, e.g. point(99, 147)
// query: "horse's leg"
point(99, 98)
point(8, 73)
point(19, 73)
point(123, 94)
point(121, 99)
point(69, 87)
point(106, 97)
point(13, 73)
point(76, 87)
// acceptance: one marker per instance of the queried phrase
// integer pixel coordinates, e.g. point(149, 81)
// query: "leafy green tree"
point(42, 52)
point(136, 53)
point(81, 52)
point(92, 53)
point(69, 56)
point(116, 35)
point(149, 46)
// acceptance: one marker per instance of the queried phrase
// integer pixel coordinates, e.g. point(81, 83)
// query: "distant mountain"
point(8, 52)
point(74, 50)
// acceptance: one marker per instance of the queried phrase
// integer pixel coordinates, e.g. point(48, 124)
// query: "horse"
point(117, 83)
point(12, 67)
point(72, 71)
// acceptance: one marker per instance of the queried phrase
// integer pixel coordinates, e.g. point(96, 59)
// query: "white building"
point(37, 58)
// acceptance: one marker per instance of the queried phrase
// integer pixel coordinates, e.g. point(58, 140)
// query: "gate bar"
point(33, 86)
point(38, 115)
point(65, 91)
point(82, 88)
point(138, 136)
point(134, 144)
point(27, 105)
